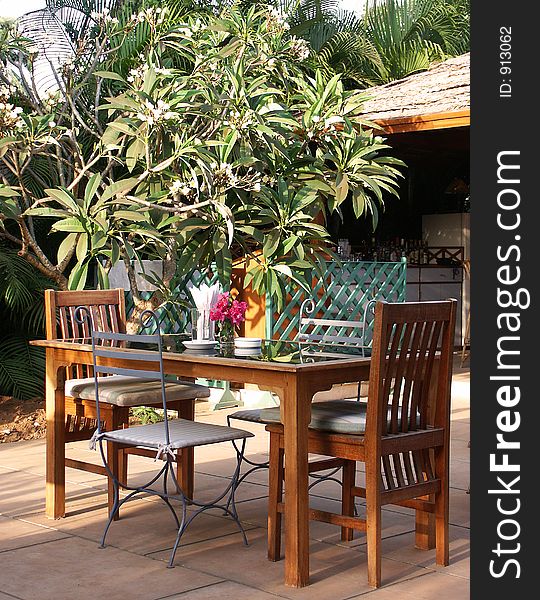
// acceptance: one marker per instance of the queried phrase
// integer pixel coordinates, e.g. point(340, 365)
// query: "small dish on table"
point(199, 344)
point(256, 351)
point(247, 343)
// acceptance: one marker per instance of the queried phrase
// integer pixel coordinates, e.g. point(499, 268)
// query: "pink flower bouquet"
point(228, 312)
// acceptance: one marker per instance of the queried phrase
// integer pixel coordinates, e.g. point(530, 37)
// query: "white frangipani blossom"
point(104, 17)
point(10, 118)
point(299, 49)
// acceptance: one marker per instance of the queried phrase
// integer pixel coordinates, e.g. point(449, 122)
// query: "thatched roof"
point(443, 88)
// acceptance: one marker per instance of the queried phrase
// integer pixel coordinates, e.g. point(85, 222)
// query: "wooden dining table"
point(295, 372)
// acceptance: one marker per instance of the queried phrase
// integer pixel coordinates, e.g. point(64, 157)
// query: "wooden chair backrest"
point(107, 311)
point(407, 338)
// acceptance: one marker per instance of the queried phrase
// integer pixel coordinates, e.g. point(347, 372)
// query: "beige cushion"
point(337, 416)
point(345, 391)
point(122, 390)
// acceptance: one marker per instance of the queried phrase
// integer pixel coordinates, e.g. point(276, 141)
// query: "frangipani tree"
point(215, 144)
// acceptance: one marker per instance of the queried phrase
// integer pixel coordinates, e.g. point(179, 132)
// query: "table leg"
point(295, 415)
point(186, 466)
point(55, 491)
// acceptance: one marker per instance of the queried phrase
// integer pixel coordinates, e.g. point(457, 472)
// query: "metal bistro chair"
point(335, 333)
point(402, 433)
point(164, 438)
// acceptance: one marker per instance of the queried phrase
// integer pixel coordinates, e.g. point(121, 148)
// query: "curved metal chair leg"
point(165, 496)
point(181, 528)
point(113, 513)
point(229, 508)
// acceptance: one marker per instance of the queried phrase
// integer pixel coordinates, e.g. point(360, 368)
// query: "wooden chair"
point(402, 433)
point(108, 314)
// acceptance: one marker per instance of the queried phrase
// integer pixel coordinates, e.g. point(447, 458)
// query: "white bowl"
point(199, 344)
point(247, 342)
point(247, 352)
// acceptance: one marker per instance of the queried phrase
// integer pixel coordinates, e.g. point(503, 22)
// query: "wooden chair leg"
point(347, 498)
point(425, 522)
point(115, 418)
point(424, 527)
point(442, 507)
point(184, 471)
point(373, 525)
point(185, 459)
point(112, 460)
point(121, 421)
point(275, 495)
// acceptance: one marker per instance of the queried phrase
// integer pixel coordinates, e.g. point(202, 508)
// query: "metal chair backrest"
point(408, 338)
point(136, 362)
point(333, 332)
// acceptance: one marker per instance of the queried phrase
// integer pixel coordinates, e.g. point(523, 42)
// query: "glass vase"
point(226, 334)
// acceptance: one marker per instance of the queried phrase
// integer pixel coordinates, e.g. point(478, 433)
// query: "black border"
point(504, 124)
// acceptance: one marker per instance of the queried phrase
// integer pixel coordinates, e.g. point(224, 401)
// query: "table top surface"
point(278, 354)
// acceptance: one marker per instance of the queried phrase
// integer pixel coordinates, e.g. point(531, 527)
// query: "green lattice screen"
point(342, 294)
point(176, 319)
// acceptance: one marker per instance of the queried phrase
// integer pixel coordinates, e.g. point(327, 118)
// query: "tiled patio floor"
point(41, 559)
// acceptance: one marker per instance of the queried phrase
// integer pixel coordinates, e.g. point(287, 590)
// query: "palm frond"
point(21, 289)
point(22, 368)
point(354, 56)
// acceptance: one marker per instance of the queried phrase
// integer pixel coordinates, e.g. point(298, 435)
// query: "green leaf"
point(103, 276)
point(67, 244)
point(130, 215)
point(164, 164)
point(231, 141)
point(8, 192)
point(63, 197)
point(229, 48)
point(122, 127)
point(10, 208)
point(98, 240)
point(359, 202)
point(71, 225)
point(134, 152)
point(91, 188)
point(109, 75)
point(115, 252)
point(342, 187)
point(77, 278)
point(271, 243)
point(41, 211)
point(224, 266)
point(119, 187)
point(150, 78)
point(290, 243)
point(82, 247)
point(227, 214)
point(5, 143)
point(110, 138)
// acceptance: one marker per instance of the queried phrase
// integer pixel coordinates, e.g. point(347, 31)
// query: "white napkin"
point(204, 297)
